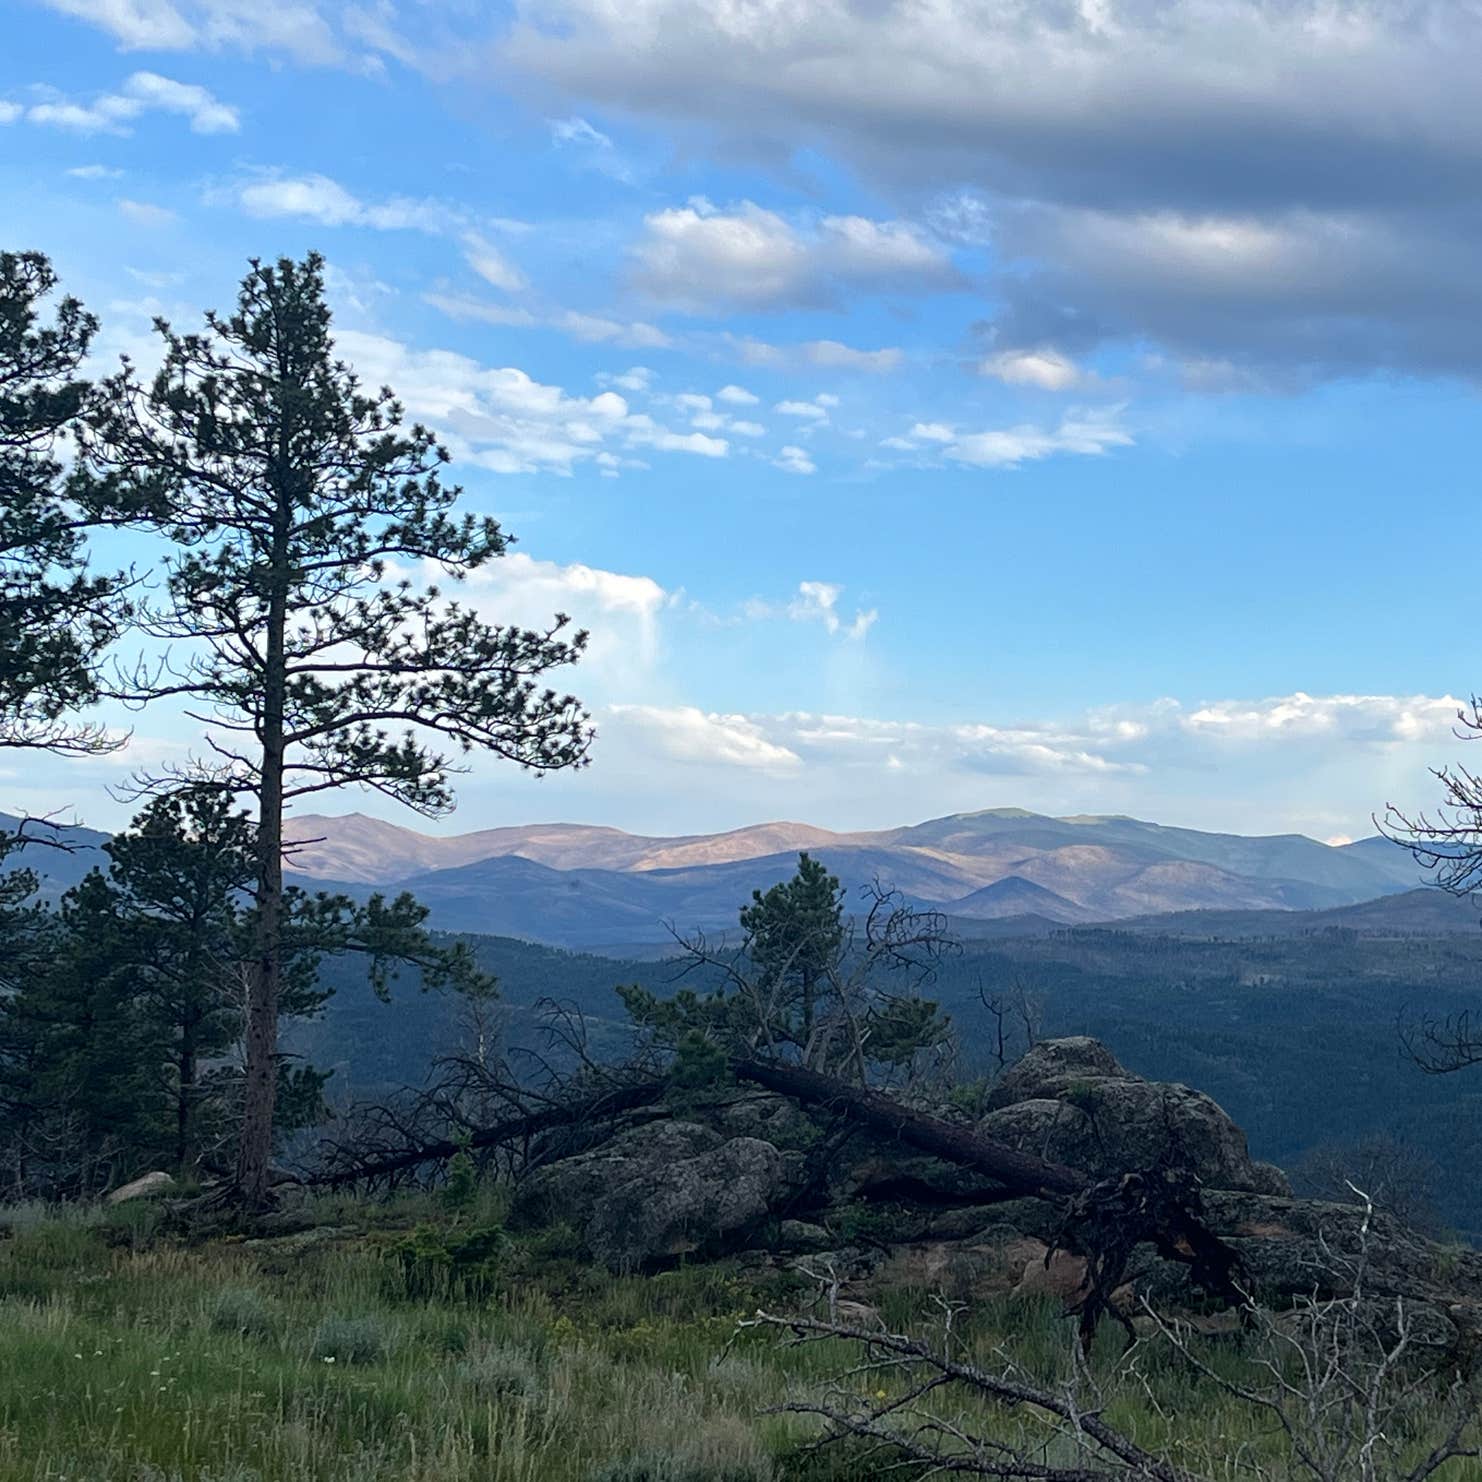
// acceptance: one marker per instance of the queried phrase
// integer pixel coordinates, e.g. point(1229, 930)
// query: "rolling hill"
point(575, 885)
point(578, 886)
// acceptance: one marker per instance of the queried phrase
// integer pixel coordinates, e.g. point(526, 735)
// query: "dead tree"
point(1446, 842)
point(892, 1399)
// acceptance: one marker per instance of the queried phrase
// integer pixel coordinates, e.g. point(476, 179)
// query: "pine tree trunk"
point(266, 967)
point(260, 1091)
point(185, 1091)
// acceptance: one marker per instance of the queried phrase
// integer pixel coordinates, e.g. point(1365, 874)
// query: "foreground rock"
point(661, 1191)
point(1070, 1101)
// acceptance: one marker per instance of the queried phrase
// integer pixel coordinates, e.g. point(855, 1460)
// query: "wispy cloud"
point(1084, 434)
point(118, 112)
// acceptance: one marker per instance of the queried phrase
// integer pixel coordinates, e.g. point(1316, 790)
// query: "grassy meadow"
point(406, 1342)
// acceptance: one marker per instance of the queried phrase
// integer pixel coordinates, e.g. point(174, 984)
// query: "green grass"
point(128, 1355)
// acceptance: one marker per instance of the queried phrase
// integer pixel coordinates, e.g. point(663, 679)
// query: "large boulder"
point(669, 1210)
point(661, 1190)
point(566, 1190)
point(146, 1186)
point(1070, 1101)
point(1052, 1064)
point(765, 1114)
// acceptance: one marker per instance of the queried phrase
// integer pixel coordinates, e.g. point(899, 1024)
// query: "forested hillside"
point(1296, 1036)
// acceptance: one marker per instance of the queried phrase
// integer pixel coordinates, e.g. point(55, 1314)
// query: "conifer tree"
point(179, 879)
point(794, 936)
point(55, 615)
point(290, 491)
point(76, 1067)
point(807, 985)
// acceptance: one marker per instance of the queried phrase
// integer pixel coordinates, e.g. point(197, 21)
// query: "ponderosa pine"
point(306, 638)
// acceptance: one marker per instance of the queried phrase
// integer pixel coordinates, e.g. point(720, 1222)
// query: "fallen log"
point(1022, 1173)
point(1104, 1220)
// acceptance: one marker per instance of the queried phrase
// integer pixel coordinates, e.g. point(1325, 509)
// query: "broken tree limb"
point(607, 1105)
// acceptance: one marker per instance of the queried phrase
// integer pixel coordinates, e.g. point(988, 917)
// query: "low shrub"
point(502, 1370)
point(245, 1311)
point(439, 1262)
point(721, 1449)
point(351, 1340)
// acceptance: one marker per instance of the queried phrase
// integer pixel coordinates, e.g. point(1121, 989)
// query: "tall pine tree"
point(289, 489)
point(55, 615)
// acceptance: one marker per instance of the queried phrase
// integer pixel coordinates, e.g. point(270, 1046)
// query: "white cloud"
point(642, 431)
point(704, 416)
point(464, 309)
point(491, 264)
point(818, 601)
point(828, 745)
point(826, 354)
point(808, 411)
point(737, 396)
point(637, 378)
point(155, 25)
point(722, 422)
point(815, 602)
point(697, 258)
point(143, 92)
point(502, 419)
point(94, 172)
point(795, 460)
point(9, 112)
point(1085, 433)
point(1299, 716)
point(688, 734)
point(622, 611)
point(318, 198)
point(590, 329)
point(597, 329)
point(1047, 369)
point(830, 354)
point(206, 114)
point(143, 213)
point(594, 148)
point(859, 248)
point(294, 28)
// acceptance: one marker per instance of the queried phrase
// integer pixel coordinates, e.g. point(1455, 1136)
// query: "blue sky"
point(928, 406)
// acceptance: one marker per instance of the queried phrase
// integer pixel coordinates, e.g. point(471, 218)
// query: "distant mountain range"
point(573, 885)
point(588, 887)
